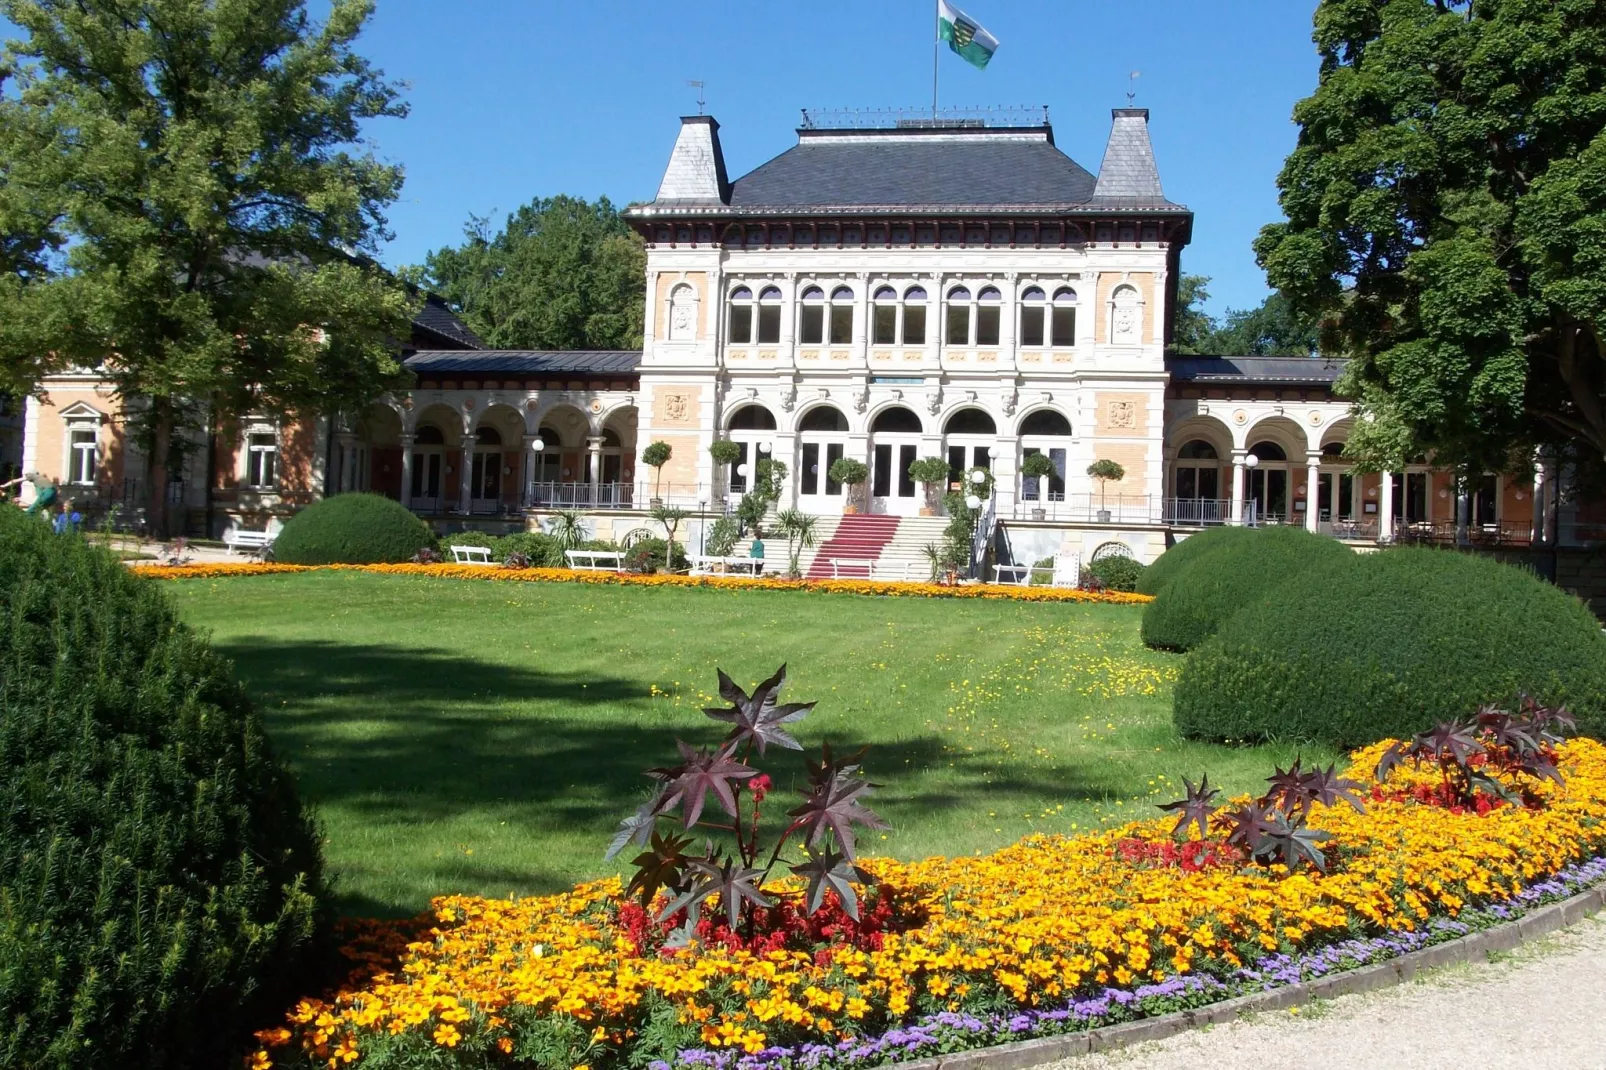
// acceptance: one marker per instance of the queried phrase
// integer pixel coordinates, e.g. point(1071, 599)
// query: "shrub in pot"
point(931, 473)
point(1038, 466)
point(724, 453)
point(1106, 472)
point(851, 473)
point(657, 455)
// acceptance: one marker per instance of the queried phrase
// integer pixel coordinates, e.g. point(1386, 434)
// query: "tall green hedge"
point(1168, 565)
point(1388, 644)
point(1227, 575)
point(160, 884)
point(352, 529)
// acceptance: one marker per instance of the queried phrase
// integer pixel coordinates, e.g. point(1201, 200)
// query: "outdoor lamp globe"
point(766, 447)
point(972, 502)
point(537, 444)
point(978, 477)
point(1251, 461)
point(741, 470)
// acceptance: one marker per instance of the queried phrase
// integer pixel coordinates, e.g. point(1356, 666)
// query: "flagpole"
point(936, 41)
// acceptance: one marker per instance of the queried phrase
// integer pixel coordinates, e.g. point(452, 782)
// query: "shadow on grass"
point(404, 738)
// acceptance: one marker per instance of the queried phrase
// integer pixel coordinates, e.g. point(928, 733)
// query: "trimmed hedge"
point(542, 550)
point(1229, 574)
point(160, 885)
point(352, 529)
point(1389, 644)
point(1117, 573)
point(1170, 564)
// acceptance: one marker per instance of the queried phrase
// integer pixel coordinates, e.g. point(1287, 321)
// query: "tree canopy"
point(1271, 329)
point(185, 207)
point(562, 273)
point(1446, 223)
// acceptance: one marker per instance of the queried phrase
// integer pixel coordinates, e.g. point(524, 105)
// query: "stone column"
point(786, 450)
point(465, 476)
point(1539, 536)
point(594, 464)
point(1385, 509)
point(406, 495)
point(1463, 510)
point(527, 485)
point(1006, 476)
point(1237, 516)
point(1313, 483)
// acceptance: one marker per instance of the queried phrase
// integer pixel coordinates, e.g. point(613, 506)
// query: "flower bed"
point(629, 579)
point(1050, 934)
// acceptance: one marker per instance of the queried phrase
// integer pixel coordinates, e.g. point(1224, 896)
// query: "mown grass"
point(460, 736)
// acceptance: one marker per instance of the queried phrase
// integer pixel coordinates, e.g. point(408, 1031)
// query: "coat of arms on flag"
point(966, 37)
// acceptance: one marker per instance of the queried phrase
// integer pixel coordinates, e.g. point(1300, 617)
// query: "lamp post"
point(1252, 462)
point(537, 447)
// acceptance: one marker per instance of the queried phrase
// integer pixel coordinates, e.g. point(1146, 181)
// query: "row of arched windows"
point(901, 319)
point(900, 420)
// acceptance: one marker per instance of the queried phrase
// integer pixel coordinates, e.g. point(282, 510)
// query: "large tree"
point(1446, 222)
point(1270, 329)
point(563, 273)
point(194, 210)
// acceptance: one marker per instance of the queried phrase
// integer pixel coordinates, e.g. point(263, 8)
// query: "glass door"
point(892, 488)
point(817, 491)
point(425, 492)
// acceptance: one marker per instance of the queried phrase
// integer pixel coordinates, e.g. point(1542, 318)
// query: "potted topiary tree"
point(850, 473)
point(931, 473)
point(1037, 466)
point(725, 453)
point(1105, 471)
point(657, 454)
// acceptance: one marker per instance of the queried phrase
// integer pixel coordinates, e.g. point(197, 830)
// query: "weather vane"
point(697, 85)
point(1132, 87)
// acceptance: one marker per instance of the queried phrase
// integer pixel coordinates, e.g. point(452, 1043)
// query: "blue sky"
point(513, 99)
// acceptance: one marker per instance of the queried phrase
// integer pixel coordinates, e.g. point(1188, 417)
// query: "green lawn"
point(463, 736)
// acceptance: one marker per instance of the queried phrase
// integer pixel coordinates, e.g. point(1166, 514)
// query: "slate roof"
point(903, 169)
point(436, 320)
point(1270, 371)
point(1128, 177)
point(525, 361)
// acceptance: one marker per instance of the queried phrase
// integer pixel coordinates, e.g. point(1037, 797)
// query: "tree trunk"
point(161, 417)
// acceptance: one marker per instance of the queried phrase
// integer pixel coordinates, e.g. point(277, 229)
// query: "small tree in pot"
point(725, 453)
point(850, 473)
point(1105, 471)
point(1037, 466)
point(931, 473)
point(657, 455)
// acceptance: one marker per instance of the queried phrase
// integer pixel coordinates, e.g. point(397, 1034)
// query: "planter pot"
point(849, 509)
point(926, 510)
point(655, 503)
point(1039, 514)
point(1104, 516)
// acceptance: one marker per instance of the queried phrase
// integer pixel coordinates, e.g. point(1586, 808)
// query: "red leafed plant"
point(735, 868)
point(1521, 745)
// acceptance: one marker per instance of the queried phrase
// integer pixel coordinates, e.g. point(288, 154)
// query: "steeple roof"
point(1128, 177)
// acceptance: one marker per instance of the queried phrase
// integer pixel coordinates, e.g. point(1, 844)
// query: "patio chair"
point(1067, 570)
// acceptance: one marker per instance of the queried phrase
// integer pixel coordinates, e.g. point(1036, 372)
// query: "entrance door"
point(892, 488)
point(426, 488)
point(817, 491)
point(485, 482)
point(1269, 491)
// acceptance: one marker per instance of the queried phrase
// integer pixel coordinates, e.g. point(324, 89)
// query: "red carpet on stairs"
point(859, 537)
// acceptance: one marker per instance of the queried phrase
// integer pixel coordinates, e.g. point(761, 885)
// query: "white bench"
point(840, 563)
point(596, 560)
point(471, 555)
point(1012, 575)
point(893, 570)
point(249, 543)
point(710, 564)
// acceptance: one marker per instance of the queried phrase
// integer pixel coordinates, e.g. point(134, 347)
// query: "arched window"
point(914, 316)
point(741, 316)
point(1033, 317)
point(769, 316)
point(896, 420)
point(610, 438)
point(823, 418)
point(1063, 332)
point(826, 322)
point(1333, 451)
point(752, 418)
point(1126, 316)
point(1045, 422)
point(682, 314)
point(988, 312)
point(1197, 477)
point(885, 314)
point(958, 333)
point(1267, 450)
point(487, 436)
point(970, 422)
point(1197, 450)
point(429, 435)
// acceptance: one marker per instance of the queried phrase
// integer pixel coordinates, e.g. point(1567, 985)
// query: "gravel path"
point(1541, 1007)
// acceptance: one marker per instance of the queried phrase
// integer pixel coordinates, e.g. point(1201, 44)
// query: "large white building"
point(929, 288)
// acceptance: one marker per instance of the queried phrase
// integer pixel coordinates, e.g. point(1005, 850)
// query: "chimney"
point(696, 171)
point(1128, 172)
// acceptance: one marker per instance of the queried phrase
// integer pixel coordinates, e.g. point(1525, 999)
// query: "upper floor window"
point(769, 316)
point(1063, 331)
point(958, 333)
point(826, 322)
point(83, 455)
point(740, 329)
point(884, 314)
point(988, 311)
point(261, 461)
point(1033, 316)
point(900, 320)
point(752, 321)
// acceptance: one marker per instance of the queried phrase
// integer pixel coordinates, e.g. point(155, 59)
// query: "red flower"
point(761, 785)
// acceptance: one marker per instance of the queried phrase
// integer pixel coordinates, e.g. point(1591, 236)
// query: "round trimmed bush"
point(1117, 573)
point(1388, 644)
point(1228, 575)
point(1170, 564)
point(352, 529)
point(161, 885)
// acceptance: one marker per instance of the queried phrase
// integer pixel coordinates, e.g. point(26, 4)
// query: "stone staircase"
point(895, 544)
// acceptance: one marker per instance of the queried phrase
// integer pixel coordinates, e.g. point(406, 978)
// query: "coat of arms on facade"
point(676, 406)
point(1126, 326)
point(1123, 414)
